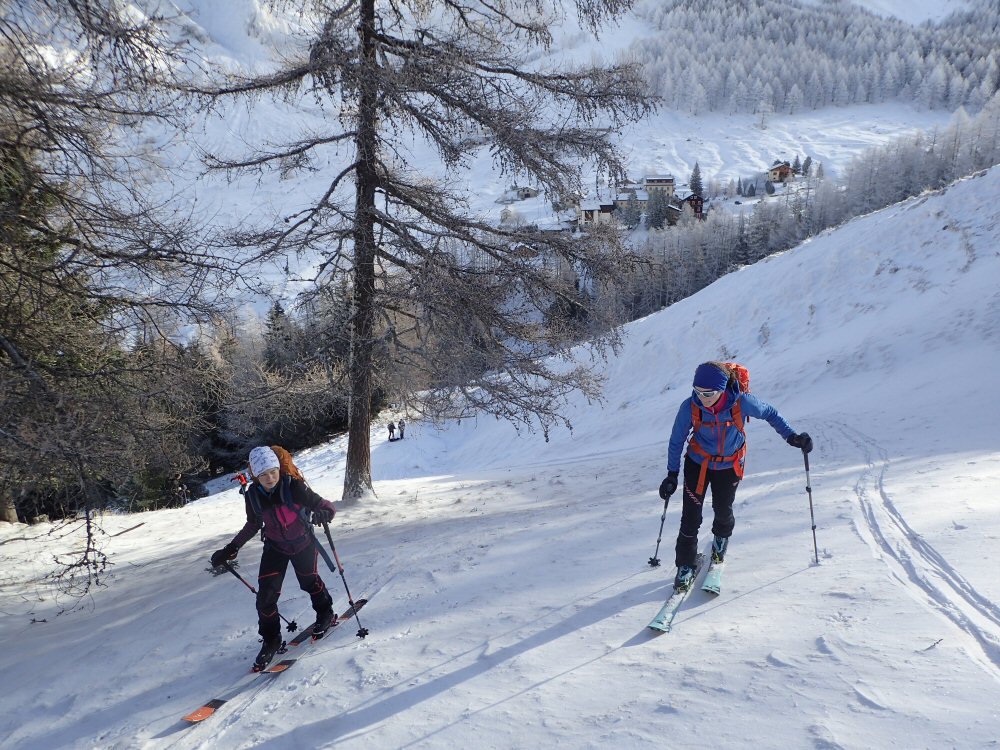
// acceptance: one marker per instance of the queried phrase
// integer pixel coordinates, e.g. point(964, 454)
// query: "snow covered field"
point(508, 578)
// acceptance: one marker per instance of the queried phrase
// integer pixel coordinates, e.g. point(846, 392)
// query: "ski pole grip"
point(805, 457)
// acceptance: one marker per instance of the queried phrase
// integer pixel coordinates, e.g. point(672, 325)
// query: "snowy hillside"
point(726, 146)
point(508, 578)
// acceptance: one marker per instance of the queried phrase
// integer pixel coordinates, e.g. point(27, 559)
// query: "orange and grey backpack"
point(740, 377)
point(286, 464)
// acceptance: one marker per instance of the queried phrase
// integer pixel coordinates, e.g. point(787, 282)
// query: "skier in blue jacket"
point(714, 416)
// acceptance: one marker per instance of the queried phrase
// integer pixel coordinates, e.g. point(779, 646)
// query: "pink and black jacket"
point(283, 514)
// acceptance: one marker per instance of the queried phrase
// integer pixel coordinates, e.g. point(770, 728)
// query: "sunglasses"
point(705, 392)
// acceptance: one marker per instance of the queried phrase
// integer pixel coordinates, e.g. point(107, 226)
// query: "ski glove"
point(224, 555)
point(801, 440)
point(669, 485)
point(323, 515)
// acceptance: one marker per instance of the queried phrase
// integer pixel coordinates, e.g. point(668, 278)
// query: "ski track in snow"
point(916, 563)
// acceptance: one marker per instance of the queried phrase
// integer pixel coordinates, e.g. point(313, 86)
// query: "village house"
point(697, 204)
point(781, 171)
point(600, 210)
point(518, 193)
point(597, 211)
point(660, 183)
point(639, 196)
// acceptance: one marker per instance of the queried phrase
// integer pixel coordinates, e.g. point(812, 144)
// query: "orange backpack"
point(286, 464)
point(740, 375)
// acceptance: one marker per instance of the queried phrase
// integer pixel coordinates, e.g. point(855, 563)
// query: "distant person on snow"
point(402, 429)
point(714, 416)
point(280, 503)
point(392, 431)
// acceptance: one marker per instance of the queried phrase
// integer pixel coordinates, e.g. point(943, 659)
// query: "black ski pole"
point(812, 516)
point(292, 625)
point(654, 561)
point(362, 631)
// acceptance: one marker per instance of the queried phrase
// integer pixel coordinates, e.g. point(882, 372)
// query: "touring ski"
point(664, 619)
point(713, 578)
point(304, 636)
point(307, 636)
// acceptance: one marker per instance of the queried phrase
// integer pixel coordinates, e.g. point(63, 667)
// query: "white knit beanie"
point(262, 458)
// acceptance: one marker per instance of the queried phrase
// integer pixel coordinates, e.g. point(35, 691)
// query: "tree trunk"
point(7, 510)
point(358, 471)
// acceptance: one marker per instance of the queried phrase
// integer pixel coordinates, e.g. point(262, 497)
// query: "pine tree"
point(631, 213)
point(807, 166)
point(282, 340)
point(656, 210)
point(695, 182)
point(796, 165)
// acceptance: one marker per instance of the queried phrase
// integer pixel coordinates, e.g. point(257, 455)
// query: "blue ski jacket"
point(715, 437)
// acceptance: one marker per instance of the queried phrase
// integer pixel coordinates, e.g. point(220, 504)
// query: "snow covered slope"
point(508, 578)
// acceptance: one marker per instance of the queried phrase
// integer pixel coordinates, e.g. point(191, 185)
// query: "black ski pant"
point(723, 483)
point(273, 565)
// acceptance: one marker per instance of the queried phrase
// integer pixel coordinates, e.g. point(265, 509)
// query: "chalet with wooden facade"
point(697, 204)
point(781, 171)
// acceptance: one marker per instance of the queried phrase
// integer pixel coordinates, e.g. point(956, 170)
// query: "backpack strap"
point(306, 516)
point(707, 458)
point(251, 496)
point(285, 497)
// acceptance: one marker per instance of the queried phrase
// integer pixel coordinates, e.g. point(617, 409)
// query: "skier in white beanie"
point(280, 504)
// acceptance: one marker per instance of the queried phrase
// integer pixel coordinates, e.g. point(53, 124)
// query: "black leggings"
point(273, 565)
point(723, 483)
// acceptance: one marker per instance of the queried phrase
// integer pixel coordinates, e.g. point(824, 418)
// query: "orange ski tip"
point(205, 711)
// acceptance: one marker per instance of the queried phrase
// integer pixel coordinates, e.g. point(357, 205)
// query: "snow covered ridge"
point(916, 11)
point(507, 577)
point(781, 56)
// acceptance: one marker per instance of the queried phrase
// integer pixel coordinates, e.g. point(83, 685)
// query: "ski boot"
point(684, 578)
point(719, 549)
point(271, 647)
point(324, 621)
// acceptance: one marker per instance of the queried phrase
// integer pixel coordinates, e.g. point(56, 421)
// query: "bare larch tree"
point(476, 307)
